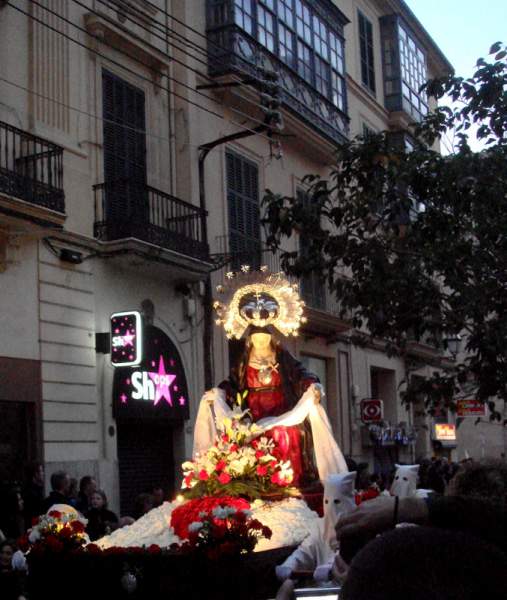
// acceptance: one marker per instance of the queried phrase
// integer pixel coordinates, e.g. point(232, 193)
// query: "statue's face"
point(260, 340)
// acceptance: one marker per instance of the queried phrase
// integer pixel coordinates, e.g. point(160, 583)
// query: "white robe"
point(328, 455)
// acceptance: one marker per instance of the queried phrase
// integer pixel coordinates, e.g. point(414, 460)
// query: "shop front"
point(150, 405)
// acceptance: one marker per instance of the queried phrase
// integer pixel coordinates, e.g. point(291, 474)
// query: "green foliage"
point(414, 245)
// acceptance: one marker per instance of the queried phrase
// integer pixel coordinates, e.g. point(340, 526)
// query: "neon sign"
point(126, 339)
point(156, 388)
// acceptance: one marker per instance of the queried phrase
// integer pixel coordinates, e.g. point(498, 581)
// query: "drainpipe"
point(205, 149)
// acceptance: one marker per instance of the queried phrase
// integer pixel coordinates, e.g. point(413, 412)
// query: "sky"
point(463, 29)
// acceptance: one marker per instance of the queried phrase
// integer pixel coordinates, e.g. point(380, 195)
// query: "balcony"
point(232, 51)
point(31, 171)
point(126, 209)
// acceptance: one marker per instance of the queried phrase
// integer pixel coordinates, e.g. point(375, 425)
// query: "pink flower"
point(224, 478)
point(220, 466)
point(262, 470)
point(203, 475)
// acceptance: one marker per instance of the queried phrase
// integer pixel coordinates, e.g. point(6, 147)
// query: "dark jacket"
point(101, 521)
point(33, 496)
point(54, 498)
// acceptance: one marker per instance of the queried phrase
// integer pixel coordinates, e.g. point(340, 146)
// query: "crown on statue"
point(258, 298)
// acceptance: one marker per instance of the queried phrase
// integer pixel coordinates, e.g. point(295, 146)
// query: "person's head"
point(35, 473)
point(158, 495)
point(338, 499)
point(421, 563)
point(73, 488)
point(87, 485)
point(98, 499)
point(60, 482)
point(7, 549)
point(483, 479)
point(143, 504)
point(405, 481)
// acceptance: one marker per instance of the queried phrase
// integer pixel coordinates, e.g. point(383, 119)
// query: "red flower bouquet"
point(224, 531)
point(56, 533)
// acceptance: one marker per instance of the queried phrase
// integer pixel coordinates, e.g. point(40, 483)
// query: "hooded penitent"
point(405, 481)
point(317, 552)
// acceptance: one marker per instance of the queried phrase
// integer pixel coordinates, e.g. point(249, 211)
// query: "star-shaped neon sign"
point(128, 338)
point(162, 381)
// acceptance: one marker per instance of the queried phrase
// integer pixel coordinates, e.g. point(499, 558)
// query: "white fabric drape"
point(328, 456)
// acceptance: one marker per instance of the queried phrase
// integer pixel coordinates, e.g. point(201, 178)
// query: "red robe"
point(271, 403)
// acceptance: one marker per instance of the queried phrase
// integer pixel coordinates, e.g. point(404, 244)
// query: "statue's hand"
point(318, 392)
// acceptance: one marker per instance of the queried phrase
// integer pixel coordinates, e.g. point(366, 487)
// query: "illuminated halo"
point(258, 298)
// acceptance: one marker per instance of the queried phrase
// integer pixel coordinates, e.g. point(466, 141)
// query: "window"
point(336, 47)
point(413, 74)
point(265, 28)
point(320, 42)
point(321, 76)
point(286, 46)
point(244, 210)
point(305, 40)
point(304, 22)
point(285, 12)
point(243, 15)
point(366, 47)
point(304, 61)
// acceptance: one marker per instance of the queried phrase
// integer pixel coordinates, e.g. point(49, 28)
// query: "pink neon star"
point(123, 399)
point(129, 338)
point(162, 389)
point(182, 401)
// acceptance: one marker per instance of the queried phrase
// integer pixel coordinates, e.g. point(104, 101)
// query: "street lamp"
point(453, 343)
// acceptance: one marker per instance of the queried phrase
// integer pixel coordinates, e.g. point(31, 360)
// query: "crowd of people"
point(449, 544)
point(23, 502)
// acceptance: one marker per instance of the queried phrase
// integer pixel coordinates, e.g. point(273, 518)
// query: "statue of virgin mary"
point(282, 397)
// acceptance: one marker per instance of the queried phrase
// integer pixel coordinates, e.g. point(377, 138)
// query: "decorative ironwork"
point(232, 50)
point(125, 209)
point(31, 168)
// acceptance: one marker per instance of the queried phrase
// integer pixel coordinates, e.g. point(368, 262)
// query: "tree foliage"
point(414, 244)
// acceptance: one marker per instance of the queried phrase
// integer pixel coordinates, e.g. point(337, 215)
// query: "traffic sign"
point(372, 410)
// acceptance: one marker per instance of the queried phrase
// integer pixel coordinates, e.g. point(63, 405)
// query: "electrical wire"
point(167, 31)
point(70, 38)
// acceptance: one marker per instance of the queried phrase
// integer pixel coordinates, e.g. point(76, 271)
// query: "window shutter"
point(124, 147)
point(313, 289)
point(244, 211)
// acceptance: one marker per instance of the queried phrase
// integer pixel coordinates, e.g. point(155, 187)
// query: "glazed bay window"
point(405, 69)
point(299, 39)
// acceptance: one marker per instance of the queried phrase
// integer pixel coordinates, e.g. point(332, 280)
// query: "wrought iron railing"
point(31, 169)
point(232, 50)
point(127, 208)
point(315, 293)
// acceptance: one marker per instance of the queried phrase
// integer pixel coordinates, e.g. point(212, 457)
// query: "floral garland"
point(238, 464)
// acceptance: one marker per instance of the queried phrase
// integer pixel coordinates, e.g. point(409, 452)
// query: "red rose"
point(55, 514)
point(259, 454)
point(275, 478)
point(35, 521)
point(255, 524)
point(233, 447)
point(154, 549)
point(225, 438)
point(23, 543)
point(188, 479)
point(220, 466)
point(262, 470)
point(77, 526)
point(203, 475)
point(54, 544)
point(224, 478)
point(254, 443)
point(273, 464)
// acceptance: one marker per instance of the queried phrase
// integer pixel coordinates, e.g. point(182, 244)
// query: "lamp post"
point(453, 343)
